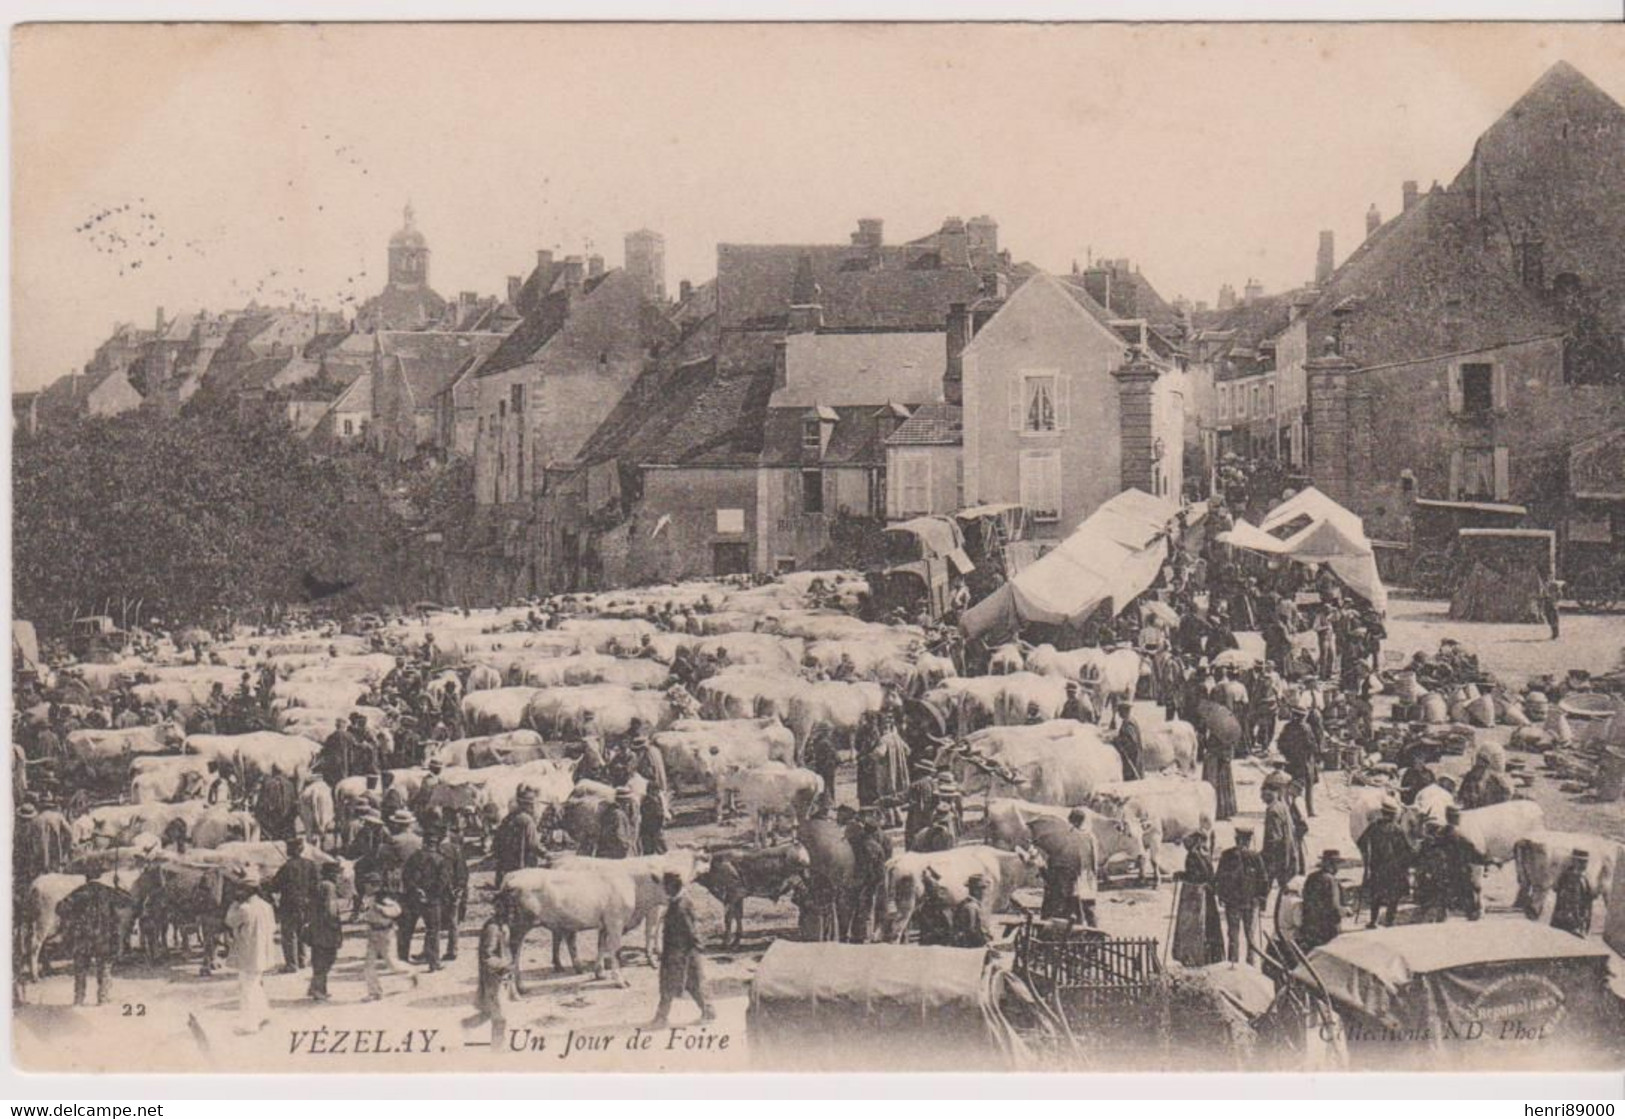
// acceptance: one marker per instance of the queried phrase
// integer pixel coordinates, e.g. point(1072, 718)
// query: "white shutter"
point(1455, 390)
point(1503, 475)
point(1498, 388)
point(1063, 402)
point(1016, 384)
point(1455, 475)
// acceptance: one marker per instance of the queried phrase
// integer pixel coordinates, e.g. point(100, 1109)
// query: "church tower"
point(408, 255)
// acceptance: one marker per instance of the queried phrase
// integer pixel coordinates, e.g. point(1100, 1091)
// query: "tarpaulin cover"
point(1480, 981)
point(1332, 536)
point(1112, 556)
point(849, 999)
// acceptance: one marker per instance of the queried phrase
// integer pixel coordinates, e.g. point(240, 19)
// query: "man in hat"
point(294, 886)
point(325, 933)
point(973, 925)
point(950, 796)
point(401, 844)
point(1551, 590)
point(681, 968)
point(518, 843)
point(1242, 883)
point(380, 918)
point(922, 800)
point(1128, 740)
point(1078, 705)
point(1322, 918)
point(1280, 849)
point(932, 916)
point(1300, 752)
point(423, 798)
point(253, 949)
point(871, 850)
point(939, 835)
point(1388, 856)
point(591, 766)
point(92, 919)
point(617, 835)
point(1486, 783)
point(495, 992)
point(1067, 860)
point(424, 890)
point(822, 757)
point(335, 761)
point(1574, 897)
point(1035, 713)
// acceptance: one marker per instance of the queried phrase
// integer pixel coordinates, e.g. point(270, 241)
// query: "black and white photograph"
point(668, 548)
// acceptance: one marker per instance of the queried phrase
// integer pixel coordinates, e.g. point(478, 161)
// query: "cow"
point(647, 872)
point(185, 894)
point(39, 922)
point(1365, 803)
point(1165, 809)
point(1544, 855)
point(1008, 827)
point(222, 825)
point(318, 812)
point(509, 748)
point(117, 825)
point(839, 706)
point(733, 876)
point(166, 780)
point(482, 678)
point(747, 692)
point(703, 753)
point(1169, 745)
point(565, 902)
point(1059, 762)
point(1494, 830)
point(256, 755)
point(584, 805)
point(773, 791)
point(1004, 872)
point(495, 710)
point(1114, 678)
point(1005, 659)
point(161, 739)
point(558, 712)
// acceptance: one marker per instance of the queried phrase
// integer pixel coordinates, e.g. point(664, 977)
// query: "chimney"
point(1253, 292)
point(1373, 220)
point(684, 291)
point(514, 284)
point(595, 266)
point(544, 260)
point(806, 301)
point(959, 333)
point(1328, 426)
point(572, 272)
point(1326, 257)
point(983, 234)
point(781, 363)
point(1097, 281)
point(1227, 297)
point(1408, 194)
point(870, 234)
point(1136, 418)
point(953, 246)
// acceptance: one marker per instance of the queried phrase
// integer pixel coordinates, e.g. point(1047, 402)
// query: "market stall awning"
point(1113, 556)
point(1310, 527)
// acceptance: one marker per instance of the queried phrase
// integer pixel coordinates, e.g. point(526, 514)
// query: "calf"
point(767, 873)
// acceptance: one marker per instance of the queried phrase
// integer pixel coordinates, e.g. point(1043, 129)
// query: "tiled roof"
point(521, 343)
point(718, 422)
point(932, 425)
point(403, 308)
point(356, 398)
point(431, 360)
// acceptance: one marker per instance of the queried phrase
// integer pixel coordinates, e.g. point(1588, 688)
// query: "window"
point(1269, 398)
point(502, 409)
point(812, 491)
point(730, 522)
point(1480, 474)
point(811, 438)
point(1477, 396)
point(1041, 484)
point(915, 483)
point(1224, 402)
point(1038, 403)
point(784, 564)
point(1241, 402)
point(349, 427)
point(730, 559)
point(517, 396)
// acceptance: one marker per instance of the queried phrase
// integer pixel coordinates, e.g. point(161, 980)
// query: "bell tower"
point(408, 254)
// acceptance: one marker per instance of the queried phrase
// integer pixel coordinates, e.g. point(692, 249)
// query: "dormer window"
point(810, 436)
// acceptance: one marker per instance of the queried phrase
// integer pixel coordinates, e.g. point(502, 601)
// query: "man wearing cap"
point(517, 843)
point(294, 886)
point(939, 835)
point(951, 797)
point(380, 918)
point(1280, 849)
point(821, 756)
point(423, 799)
point(1322, 918)
point(401, 844)
point(1388, 856)
point(1574, 897)
point(1035, 713)
point(325, 932)
point(1067, 862)
point(922, 800)
point(871, 850)
point(495, 992)
point(1242, 883)
point(1078, 705)
point(591, 766)
point(253, 950)
point(617, 836)
point(426, 886)
point(1298, 748)
point(1218, 734)
point(92, 921)
point(1128, 740)
point(681, 968)
point(973, 927)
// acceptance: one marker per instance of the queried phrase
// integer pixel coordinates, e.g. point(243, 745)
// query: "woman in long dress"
point(1198, 934)
point(1219, 732)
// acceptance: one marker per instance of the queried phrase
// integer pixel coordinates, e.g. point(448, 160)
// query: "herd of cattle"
point(732, 742)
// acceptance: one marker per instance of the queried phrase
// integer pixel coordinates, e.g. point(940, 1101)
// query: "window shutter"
point(1455, 475)
point(1063, 402)
point(922, 465)
point(831, 491)
point(1455, 390)
point(1016, 384)
point(1503, 474)
point(1498, 388)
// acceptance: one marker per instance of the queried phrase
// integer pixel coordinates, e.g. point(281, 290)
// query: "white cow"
point(1007, 827)
point(1495, 829)
point(773, 791)
point(1543, 856)
point(833, 704)
point(704, 753)
point(647, 872)
point(558, 712)
point(1004, 872)
point(1058, 762)
point(1165, 808)
point(166, 779)
point(1168, 745)
point(494, 710)
point(565, 902)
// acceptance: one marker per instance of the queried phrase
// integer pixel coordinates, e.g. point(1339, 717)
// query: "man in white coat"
point(253, 951)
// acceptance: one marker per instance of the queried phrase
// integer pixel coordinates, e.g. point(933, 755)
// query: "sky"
point(189, 166)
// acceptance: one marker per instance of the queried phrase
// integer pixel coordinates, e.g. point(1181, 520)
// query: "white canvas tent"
point(1112, 556)
point(1318, 530)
